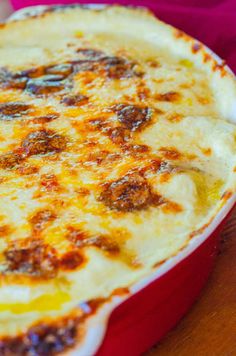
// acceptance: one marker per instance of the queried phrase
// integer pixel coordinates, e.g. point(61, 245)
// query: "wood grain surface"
point(209, 328)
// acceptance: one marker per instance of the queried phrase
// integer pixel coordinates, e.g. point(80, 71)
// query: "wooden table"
point(209, 329)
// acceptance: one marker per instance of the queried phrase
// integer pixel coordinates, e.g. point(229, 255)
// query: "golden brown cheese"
point(115, 152)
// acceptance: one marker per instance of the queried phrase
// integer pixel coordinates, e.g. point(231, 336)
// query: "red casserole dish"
point(130, 325)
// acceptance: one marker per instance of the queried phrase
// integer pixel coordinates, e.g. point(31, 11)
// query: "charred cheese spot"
point(42, 141)
point(83, 192)
point(174, 117)
point(31, 257)
point(71, 260)
point(49, 182)
point(19, 80)
point(4, 230)
point(10, 160)
point(101, 157)
point(44, 87)
point(82, 239)
point(206, 57)
point(206, 151)
point(41, 219)
point(98, 123)
point(196, 46)
point(15, 83)
point(85, 65)
point(118, 135)
point(182, 35)
point(165, 177)
point(8, 111)
point(153, 63)
point(129, 193)
point(171, 96)
point(132, 117)
point(9, 81)
point(113, 67)
point(170, 153)
point(42, 80)
point(203, 100)
point(90, 53)
point(44, 119)
point(26, 170)
point(43, 339)
point(143, 92)
point(179, 33)
point(118, 68)
point(29, 73)
point(167, 167)
point(135, 150)
point(172, 208)
point(64, 69)
point(36, 259)
point(153, 165)
point(75, 100)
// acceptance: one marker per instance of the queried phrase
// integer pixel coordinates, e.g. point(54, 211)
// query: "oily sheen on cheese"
point(117, 146)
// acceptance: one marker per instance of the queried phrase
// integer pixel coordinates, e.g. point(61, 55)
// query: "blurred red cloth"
point(211, 21)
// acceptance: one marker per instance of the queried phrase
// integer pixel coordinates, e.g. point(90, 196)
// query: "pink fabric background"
point(211, 21)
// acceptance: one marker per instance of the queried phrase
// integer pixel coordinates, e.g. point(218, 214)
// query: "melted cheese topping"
point(115, 148)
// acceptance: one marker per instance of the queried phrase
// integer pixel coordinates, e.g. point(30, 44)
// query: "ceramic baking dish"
point(131, 323)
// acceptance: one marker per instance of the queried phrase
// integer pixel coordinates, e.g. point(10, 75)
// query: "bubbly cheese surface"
point(116, 147)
